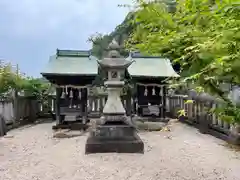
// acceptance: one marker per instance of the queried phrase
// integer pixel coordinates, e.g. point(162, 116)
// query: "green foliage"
point(181, 113)
point(11, 80)
point(202, 35)
point(7, 78)
point(100, 42)
point(188, 101)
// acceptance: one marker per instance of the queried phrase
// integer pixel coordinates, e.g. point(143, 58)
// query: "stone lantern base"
point(114, 133)
point(115, 136)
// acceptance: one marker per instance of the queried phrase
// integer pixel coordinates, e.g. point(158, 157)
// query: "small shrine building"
point(73, 73)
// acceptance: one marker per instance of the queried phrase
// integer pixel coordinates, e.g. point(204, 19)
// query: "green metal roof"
point(151, 67)
point(72, 62)
point(73, 53)
point(69, 62)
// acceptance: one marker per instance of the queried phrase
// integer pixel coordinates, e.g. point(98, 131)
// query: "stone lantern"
point(114, 133)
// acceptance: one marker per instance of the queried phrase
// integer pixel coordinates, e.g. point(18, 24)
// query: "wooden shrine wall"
point(151, 100)
point(148, 98)
point(146, 95)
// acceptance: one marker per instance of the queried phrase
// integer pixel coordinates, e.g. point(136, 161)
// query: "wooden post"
point(135, 101)
point(160, 105)
point(81, 103)
point(57, 110)
point(164, 102)
point(15, 100)
point(128, 103)
point(84, 110)
point(170, 105)
point(15, 106)
point(102, 103)
point(31, 108)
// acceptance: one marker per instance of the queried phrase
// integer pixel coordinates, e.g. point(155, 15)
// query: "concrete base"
point(114, 139)
point(95, 145)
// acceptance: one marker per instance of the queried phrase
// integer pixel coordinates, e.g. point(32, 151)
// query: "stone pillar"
point(129, 103)
point(114, 104)
point(234, 136)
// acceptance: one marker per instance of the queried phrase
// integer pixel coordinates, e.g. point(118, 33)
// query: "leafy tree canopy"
point(202, 35)
point(120, 34)
point(11, 80)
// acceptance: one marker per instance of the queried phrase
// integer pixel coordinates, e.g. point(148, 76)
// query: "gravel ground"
point(31, 153)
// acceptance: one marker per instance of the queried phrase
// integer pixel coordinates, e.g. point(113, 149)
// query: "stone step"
point(70, 118)
point(67, 109)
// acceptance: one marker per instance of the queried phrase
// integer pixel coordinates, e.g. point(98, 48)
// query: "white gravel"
point(182, 154)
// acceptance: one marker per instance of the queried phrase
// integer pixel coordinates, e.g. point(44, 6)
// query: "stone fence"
point(21, 110)
point(197, 114)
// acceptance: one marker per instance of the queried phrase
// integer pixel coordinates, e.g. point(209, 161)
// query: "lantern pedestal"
point(114, 132)
point(114, 138)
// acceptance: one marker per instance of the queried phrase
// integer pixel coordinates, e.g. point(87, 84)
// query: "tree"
point(200, 35)
point(11, 80)
point(100, 42)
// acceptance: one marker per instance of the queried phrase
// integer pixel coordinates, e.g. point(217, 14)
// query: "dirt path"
point(182, 154)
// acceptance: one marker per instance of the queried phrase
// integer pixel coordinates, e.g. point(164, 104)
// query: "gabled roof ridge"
point(156, 67)
point(137, 54)
point(73, 53)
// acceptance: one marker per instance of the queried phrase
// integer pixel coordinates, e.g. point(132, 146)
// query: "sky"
point(32, 30)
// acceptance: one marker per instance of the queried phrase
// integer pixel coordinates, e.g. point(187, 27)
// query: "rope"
point(152, 85)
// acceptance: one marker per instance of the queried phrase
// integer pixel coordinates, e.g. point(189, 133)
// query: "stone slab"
point(150, 126)
point(96, 145)
point(114, 132)
point(73, 126)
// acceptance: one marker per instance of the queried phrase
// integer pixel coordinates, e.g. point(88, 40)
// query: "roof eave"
point(154, 76)
point(67, 74)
